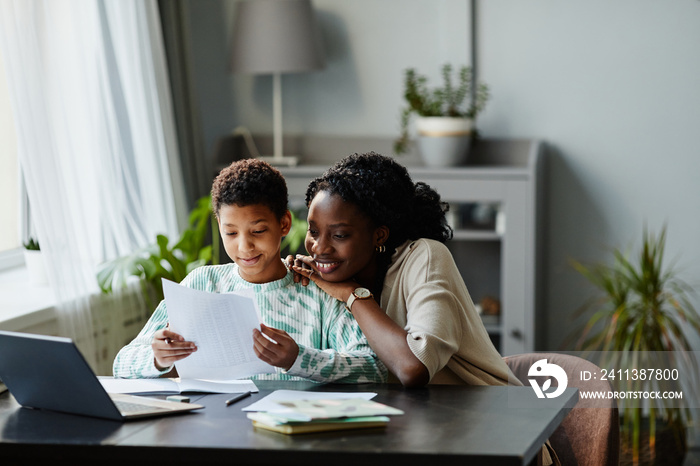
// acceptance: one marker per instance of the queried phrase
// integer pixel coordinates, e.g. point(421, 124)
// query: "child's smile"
point(248, 262)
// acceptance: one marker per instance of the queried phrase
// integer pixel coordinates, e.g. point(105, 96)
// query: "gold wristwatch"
point(358, 293)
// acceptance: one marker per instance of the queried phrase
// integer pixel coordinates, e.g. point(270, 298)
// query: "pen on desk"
point(231, 401)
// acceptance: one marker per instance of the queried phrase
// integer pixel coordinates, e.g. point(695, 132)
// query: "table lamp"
point(275, 37)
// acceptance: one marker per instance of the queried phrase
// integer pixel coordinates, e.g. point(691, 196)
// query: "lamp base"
point(284, 161)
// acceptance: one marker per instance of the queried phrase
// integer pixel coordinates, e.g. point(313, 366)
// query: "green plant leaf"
point(31, 245)
point(296, 236)
point(642, 309)
point(161, 260)
point(115, 274)
point(193, 265)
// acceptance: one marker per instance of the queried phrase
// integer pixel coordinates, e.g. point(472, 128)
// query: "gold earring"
point(380, 249)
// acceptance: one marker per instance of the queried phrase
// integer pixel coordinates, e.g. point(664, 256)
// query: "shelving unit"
point(496, 261)
point(475, 235)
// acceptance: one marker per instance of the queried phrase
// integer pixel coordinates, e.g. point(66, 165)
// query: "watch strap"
point(351, 300)
point(354, 296)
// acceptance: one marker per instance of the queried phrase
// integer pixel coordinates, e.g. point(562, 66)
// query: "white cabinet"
point(497, 258)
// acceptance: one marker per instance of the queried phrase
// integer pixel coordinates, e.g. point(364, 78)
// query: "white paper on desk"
point(168, 386)
point(269, 402)
point(221, 324)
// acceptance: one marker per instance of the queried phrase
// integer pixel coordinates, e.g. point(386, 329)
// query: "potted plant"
point(34, 260)
point(640, 321)
point(165, 260)
point(444, 115)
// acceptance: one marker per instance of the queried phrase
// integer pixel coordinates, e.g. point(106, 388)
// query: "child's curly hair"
point(247, 182)
point(384, 191)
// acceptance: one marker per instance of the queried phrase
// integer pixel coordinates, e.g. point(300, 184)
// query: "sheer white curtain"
point(96, 139)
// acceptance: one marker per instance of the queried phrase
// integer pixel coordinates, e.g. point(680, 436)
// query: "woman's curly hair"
point(384, 191)
point(247, 182)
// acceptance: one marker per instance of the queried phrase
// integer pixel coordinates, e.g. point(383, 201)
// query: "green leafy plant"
point(639, 321)
point(31, 245)
point(165, 260)
point(446, 101)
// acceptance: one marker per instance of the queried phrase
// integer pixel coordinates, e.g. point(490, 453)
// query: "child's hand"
point(169, 347)
point(280, 353)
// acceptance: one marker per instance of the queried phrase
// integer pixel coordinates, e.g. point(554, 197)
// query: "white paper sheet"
point(221, 324)
point(269, 402)
point(169, 386)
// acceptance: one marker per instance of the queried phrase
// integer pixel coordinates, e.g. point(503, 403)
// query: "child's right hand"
point(169, 347)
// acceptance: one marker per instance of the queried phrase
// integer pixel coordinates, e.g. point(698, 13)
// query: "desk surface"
point(449, 424)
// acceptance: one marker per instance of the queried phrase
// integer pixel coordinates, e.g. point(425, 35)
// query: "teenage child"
point(316, 338)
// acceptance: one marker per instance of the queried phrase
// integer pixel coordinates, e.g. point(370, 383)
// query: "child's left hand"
point(282, 354)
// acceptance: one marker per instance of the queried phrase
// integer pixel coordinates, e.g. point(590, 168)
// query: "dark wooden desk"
point(445, 424)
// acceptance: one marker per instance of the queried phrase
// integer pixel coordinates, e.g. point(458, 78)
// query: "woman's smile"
point(326, 267)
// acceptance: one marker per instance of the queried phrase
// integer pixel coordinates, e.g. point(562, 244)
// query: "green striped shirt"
point(332, 348)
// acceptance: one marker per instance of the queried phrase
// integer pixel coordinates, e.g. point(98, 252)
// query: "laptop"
point(45, 372)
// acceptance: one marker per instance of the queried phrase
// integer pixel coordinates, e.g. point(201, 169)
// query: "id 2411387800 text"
point(631, 374)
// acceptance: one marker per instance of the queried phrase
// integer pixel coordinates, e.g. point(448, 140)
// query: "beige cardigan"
point(425, 294)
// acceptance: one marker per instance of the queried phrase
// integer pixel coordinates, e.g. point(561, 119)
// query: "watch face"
point(362, 293)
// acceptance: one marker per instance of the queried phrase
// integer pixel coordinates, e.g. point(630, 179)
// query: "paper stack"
point(320, 415)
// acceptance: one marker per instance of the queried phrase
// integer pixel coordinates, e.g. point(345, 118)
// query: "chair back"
point(588, 436)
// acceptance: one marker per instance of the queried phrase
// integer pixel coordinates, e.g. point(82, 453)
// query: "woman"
point(376, 242)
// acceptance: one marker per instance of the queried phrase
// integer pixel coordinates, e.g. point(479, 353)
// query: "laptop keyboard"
point(127, 407)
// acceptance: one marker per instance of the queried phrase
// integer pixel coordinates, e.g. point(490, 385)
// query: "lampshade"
point(276, 36)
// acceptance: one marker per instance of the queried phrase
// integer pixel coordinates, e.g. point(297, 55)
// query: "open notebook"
point(47, 372)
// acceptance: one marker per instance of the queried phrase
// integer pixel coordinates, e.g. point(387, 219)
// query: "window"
point(11, 189)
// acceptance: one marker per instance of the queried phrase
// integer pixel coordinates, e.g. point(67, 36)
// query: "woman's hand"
point(282, 352)
point(169, 347)
point(303, 265)
point(386, 337)
point(292, 263)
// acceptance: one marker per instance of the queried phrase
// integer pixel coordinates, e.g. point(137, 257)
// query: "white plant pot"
point(444, 141)
point(34, 260)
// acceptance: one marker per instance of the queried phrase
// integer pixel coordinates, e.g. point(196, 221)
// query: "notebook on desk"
point(45, 372)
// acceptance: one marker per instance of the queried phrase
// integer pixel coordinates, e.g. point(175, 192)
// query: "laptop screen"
point(50, 373)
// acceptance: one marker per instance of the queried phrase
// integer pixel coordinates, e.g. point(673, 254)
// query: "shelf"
point(476, 235)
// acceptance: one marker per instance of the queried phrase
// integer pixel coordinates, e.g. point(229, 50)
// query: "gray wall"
point(368, 44)
point(612, 87)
